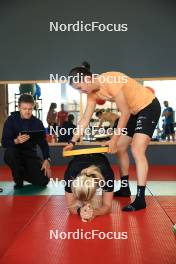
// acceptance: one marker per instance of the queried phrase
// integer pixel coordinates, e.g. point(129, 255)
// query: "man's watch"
point(72, 142)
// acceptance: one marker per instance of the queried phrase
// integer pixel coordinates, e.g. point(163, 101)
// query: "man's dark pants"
point(25, 165)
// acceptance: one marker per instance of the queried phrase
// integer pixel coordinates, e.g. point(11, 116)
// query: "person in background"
point(110, 117)
point(61, 116)
point(37, 93)
point(66, 131)
point(52, 116)
point(168, 125)
point(20, 151)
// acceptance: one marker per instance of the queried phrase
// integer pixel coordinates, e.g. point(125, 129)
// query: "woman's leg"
point(122, 156)
point(139, 145)
point(146, 122)
point(138, 149)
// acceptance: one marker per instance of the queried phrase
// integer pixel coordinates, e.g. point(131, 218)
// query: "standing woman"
point(140, 112)
point(52, 116)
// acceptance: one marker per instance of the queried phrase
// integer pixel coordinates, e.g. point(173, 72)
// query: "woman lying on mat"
point(140, 112)
point(83, 176)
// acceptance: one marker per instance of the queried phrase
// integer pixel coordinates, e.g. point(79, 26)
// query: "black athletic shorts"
point(169, 129)
point(145, 121)
point(80, 162)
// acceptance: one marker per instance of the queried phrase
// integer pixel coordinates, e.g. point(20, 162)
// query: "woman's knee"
point(139, 145)
point(137, 150)
point(121, 149)
point(122, 145)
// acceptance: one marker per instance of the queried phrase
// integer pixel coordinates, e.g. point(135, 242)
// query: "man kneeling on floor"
point(21, 150)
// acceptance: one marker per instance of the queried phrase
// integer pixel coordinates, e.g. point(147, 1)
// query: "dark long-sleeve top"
point(15, 125)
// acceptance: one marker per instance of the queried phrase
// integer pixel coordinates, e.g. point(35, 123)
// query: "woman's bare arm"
point(106, 204)
point(72, 203)
point(83, 123)
point(125, 114)
point(123, 107)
